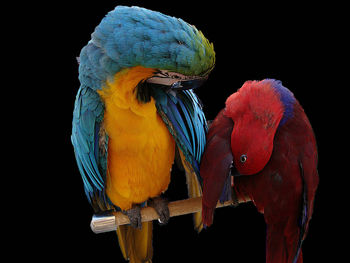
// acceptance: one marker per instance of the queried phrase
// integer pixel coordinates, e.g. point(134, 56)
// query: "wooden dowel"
point(106, 223)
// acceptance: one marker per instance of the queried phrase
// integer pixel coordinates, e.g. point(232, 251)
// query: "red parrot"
point(262, 146)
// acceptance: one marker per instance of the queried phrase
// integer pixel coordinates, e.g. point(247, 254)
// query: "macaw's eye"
point(243, 158)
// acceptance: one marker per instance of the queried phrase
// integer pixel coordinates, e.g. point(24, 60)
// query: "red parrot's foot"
point(161, 207)
point(134, 215)
point(234, 197)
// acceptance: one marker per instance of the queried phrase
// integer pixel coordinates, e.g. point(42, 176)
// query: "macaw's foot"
point(134, 215)
point(161, 207)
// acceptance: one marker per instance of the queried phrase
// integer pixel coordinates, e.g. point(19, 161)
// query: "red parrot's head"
point(256, 109)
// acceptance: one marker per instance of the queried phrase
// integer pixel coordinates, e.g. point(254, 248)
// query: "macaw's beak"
point(176, 81)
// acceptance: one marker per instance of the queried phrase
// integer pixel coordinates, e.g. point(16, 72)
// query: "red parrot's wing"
point(309, 174)
point(215, 165)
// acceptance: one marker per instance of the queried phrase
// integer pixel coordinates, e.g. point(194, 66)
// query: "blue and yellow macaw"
point(134, 109)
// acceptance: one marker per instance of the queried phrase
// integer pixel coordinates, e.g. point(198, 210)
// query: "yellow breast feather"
point(140, 148)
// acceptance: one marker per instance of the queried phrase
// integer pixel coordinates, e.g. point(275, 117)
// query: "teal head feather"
point(134, 36)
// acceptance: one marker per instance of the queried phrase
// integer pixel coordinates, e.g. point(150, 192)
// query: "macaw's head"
point(257, 110)
point(178, 54)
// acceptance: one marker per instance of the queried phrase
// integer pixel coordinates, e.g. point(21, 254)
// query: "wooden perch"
point(110, 222)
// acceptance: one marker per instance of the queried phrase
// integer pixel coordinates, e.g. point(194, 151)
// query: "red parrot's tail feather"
point(280, 246)
point(207, 215)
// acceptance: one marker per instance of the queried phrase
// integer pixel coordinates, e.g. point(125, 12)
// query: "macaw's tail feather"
point(136, 244)
point(194, 190)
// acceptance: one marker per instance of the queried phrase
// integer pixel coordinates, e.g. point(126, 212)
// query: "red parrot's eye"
point(243, 158)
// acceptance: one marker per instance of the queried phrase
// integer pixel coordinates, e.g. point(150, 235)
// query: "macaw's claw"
point(161, 207)
point(134, 215)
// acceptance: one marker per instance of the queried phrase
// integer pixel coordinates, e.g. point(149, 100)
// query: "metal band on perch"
point(110, 222)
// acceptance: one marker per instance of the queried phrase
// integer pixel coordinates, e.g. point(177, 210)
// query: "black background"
point(293, 43)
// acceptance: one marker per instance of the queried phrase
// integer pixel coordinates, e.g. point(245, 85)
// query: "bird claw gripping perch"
point(134, 215)
point(162, 209)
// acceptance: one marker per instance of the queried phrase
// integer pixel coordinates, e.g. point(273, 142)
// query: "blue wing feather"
point(184, 117)
point(176, 121)
point(87, 117)
point(189, 123)
point(197, 111)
